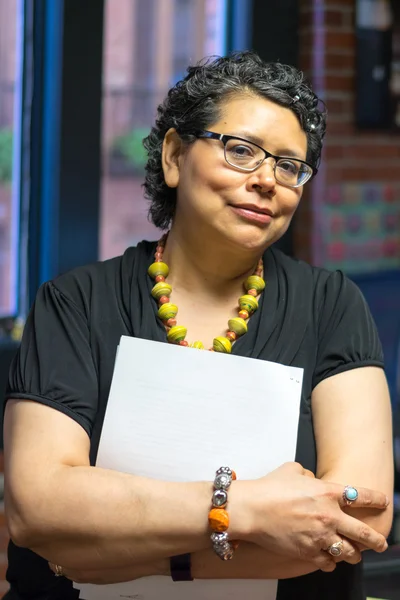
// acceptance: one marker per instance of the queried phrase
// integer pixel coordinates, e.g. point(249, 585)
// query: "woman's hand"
point(291, 513)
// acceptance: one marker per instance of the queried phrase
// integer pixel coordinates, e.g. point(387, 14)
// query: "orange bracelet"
point(218, 517)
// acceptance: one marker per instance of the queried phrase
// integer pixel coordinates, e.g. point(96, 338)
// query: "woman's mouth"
point(253, 214)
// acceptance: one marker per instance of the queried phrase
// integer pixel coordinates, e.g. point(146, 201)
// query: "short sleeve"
point(54, 364)
point(347, 334)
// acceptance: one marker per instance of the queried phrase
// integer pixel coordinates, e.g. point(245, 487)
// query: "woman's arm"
point(74, 514)
point(83, 517)
point(352, 422)
point(353, 431)
point(106, 522)
point(249, 562)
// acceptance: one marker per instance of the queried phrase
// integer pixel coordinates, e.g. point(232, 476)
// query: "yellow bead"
point(238, 325)
point(176, 334)
point(161, 289)
point(222, 344)
point(158, 268)
point(254, 282)
point(167, 311)
point(248, 303)
point(198, 345)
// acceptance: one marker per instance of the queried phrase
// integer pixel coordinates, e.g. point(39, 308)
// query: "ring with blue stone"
point(350, 494)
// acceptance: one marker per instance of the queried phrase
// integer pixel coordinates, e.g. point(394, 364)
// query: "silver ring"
point(336, 549)
point(59, 571)
point(350, 494)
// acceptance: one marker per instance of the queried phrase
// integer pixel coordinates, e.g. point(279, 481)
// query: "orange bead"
point(252, 292)
point(243, 314)
point(158, 256)
point(160, 278)
point(171, 323)
point(163, 300)
point(234, 476)
point(231, 335)
point(218, 519)
point(183, 343)
point(160, 249)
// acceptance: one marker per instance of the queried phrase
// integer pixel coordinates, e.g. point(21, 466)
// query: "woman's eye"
point(289, 167)
point(241, 151)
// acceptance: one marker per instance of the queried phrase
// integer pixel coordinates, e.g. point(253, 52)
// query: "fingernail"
point(387, 501)
point(386, 546)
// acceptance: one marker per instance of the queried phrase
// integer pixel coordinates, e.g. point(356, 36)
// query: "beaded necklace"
point(167, 311)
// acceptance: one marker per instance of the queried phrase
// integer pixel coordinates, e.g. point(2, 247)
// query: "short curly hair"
point(194, 103)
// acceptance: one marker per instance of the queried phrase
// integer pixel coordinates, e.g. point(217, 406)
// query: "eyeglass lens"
point(245, 155)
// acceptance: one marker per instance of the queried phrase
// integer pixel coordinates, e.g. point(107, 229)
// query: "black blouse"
point(308, 317)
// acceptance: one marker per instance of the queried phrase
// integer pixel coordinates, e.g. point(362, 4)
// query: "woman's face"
point(248, 209)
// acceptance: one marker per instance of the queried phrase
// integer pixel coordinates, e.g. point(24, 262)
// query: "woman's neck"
point(199, 266)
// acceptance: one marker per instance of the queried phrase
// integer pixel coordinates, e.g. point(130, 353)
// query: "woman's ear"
point(171, 153)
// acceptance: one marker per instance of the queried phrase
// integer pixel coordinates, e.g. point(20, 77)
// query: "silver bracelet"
point(221, 543)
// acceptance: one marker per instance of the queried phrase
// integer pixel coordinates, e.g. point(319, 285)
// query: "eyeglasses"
point(247, 156)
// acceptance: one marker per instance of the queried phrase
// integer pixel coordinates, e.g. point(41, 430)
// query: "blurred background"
point(80, 81)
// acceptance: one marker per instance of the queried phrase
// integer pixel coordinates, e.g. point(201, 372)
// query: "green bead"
point(176, 334)
point(222, 344)
point(254, 282)
point(238, 326)
point(167, 311)
point(161, 289)
point(198, 345)
point(158, 268)
point(248, 303)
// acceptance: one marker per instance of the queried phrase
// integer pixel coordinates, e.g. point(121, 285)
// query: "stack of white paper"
point(178, 414)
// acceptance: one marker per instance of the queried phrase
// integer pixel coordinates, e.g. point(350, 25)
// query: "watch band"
point(180, 567)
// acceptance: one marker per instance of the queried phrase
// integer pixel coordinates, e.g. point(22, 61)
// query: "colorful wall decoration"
point(360, 226)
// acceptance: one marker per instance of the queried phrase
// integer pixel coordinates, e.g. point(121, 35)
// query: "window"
point(10, 25)
point(147, 47)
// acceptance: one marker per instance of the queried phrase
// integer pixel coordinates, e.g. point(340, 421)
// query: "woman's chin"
point(252, 238)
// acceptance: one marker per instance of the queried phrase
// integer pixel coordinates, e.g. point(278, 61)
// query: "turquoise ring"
point(350, 494)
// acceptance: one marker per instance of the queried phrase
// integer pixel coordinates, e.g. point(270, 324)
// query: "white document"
point(178, 414)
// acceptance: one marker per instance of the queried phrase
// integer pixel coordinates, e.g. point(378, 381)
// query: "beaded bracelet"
point(218, 517)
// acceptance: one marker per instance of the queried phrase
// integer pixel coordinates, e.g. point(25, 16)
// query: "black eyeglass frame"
point(224, 138)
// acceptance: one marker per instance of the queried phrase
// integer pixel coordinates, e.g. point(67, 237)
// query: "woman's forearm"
point(90, 518)
point(249, 562)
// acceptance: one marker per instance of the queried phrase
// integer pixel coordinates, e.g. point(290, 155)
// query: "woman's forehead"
point(262, 121)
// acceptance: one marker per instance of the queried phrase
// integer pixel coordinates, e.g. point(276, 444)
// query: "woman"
point(232, 147)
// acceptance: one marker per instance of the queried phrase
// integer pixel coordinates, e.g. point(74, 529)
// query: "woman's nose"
point(264, 177)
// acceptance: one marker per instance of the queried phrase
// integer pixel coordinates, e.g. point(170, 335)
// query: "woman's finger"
point(365, 498)
point(360, 497)
point(360, 532)
point(348, 552)
point(351, 554)
point(324, 562)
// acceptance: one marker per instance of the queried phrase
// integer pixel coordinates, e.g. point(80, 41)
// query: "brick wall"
point(327, 55)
